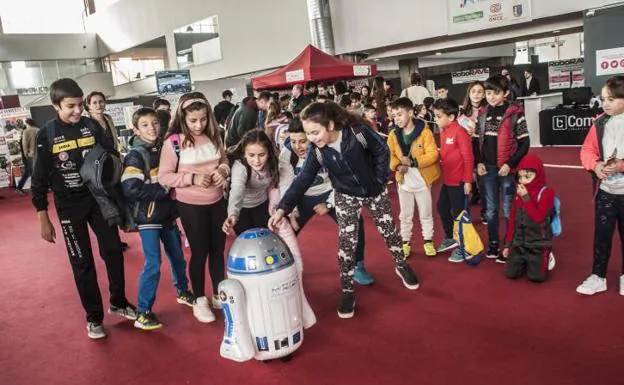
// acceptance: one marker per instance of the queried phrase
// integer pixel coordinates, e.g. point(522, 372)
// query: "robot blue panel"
point(258, 251)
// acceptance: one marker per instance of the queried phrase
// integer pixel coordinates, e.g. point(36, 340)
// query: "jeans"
point(28, 167)
point(306, 212)
point(150, 276)
point(494, 186)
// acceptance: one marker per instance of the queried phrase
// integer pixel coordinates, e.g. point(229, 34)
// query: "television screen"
point(178, 81)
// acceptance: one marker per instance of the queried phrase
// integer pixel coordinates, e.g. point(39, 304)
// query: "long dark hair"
point(323, 113)
point(189, 102)
point(256, 136)
point(467, 107)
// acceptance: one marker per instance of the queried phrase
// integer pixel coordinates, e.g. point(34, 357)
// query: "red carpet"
point(467, 325)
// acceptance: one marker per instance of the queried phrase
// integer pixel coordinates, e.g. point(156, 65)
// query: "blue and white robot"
point(263, 301)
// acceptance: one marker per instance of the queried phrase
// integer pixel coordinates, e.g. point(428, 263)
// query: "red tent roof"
point(313, 64)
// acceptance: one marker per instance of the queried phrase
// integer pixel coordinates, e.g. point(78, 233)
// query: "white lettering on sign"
point(295, 76)
point(469, 76)
point(361, 70)
point(571, 123)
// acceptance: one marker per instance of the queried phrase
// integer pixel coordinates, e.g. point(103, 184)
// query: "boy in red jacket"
point(457, 161)
point(528, 242)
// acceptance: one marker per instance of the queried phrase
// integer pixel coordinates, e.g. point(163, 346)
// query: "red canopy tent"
point(313, 64)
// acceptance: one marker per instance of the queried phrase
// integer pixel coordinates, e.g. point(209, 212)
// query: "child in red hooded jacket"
point(528, 242)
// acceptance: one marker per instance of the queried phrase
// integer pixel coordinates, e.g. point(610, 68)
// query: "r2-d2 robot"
point(263, 302)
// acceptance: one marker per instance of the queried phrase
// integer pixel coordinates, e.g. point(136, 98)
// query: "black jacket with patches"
point(57, 162)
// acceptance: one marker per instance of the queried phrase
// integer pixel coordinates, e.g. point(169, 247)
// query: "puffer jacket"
point(423, 150)
point(150, 203)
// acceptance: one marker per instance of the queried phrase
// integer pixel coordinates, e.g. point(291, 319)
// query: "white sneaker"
point(201, 310)
point(186, 243)
point(95, 331)
point(216, 302)
point(621, 284)
point(592, 285)
point(552, 262)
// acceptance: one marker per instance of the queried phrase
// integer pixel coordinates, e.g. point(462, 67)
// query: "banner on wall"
point(12, 123)
point(472, 15)
point(469, 76)
point(566, 73)
point(610, 61)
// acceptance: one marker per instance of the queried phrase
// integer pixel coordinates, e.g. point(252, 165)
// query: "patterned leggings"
point(348, 212)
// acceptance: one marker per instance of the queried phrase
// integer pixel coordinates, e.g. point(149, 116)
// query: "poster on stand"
point(116, 111)
point(12, 123)
point(474, 15)
point(566, 73)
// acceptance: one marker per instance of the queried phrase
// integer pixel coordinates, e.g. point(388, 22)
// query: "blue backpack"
point(555, 220)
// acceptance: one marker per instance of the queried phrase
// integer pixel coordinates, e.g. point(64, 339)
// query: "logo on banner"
point(571, 123)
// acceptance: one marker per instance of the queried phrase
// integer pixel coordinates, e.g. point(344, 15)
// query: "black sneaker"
point(483, 220)
point(501, 259)
point(407, 276)
point(185, 298)
point(493, 252)
point(147, 321)
point(347, 305)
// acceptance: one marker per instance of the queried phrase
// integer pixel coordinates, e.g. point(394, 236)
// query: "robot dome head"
point(258, 251)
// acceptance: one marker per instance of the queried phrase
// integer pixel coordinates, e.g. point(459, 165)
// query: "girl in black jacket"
point(357, 160)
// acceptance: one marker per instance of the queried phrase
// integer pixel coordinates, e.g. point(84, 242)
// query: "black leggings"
point(450, 204)
point(202, 226)
point(253, 217)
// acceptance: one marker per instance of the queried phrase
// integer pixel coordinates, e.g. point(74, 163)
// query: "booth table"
point(533, 105)
point(565, 126)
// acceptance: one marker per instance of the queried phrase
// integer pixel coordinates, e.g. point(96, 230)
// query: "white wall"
point(254, 34)
point(207, 51)
point(360, 25)
point(213, 88)
point(48, 47)
point(136, 88)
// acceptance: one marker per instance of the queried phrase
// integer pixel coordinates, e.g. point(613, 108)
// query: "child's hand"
point(321, 209)
point(229, 223)
point(521, 190)
point(504, 170)
point(599, 170)
point(293, 222)
point(202, 180)
point(218, 177)
point(471, 127)
point(405, 161)
point(402, 169)
point(506, 252)
point(481, 170)
point(612, 166)
point(47, 230)
point(275, 219)
point(467, 188)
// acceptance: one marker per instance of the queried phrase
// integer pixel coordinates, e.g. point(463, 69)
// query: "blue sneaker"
point(456, 256)
point(362, 276)
point(447, 244)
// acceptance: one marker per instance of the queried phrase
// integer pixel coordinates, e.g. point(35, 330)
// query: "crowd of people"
point(277, 161)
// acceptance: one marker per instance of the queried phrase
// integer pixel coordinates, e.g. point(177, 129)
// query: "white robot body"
point(262, 299)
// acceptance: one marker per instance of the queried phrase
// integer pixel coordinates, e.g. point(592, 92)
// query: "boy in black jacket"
point(155, 213)
point(61, 147)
